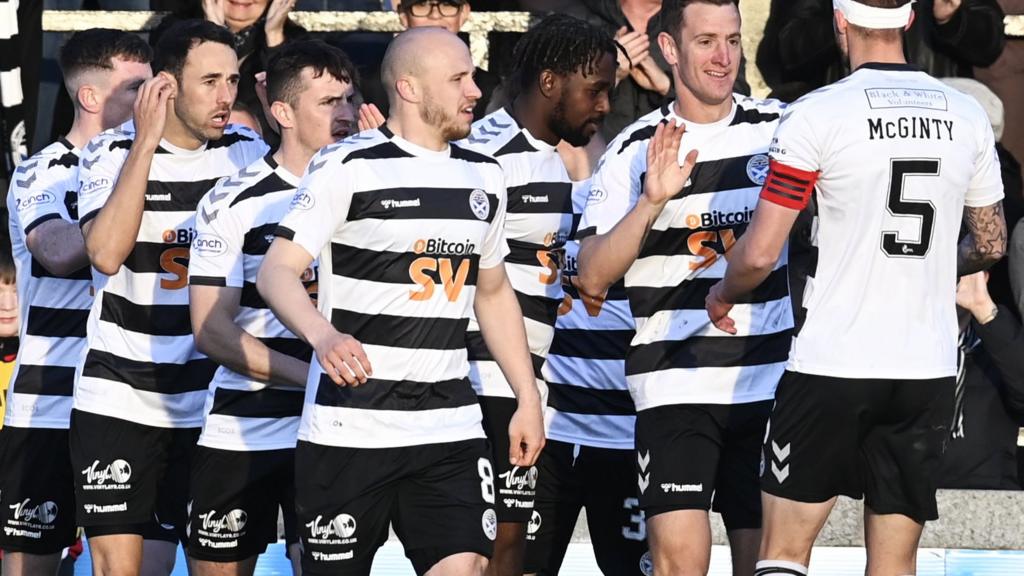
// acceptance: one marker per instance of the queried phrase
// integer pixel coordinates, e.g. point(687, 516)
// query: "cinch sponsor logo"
point(37, 199)
point(717, 218)
point(179, 236)
point(443, 247)
point(97, 184)
point(209, 245)
point(302, 200)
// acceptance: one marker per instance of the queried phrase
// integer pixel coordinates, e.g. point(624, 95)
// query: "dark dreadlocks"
point(562, 44)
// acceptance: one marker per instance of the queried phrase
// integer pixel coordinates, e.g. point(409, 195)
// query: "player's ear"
point(173, 81)
point(88, 99)
point(408, 89)
point(549, 83)
point(668, 48)
point(463, 14)
point(910, 22)
point(283, 114)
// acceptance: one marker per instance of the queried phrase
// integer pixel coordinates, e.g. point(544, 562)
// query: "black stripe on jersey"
point(229, 139)
point(617, 291)
point(591, 344)
point(56, 322)
point(402, 331)
point(68, 160)
point(125, 144)
point(539, 308)
point(640, 135)
point(284, 232)
point(709, 352)
point(44, 218)
point(382, 151)
point(289, 347)
point(517, 145)
point(217, 281)
point(720, 175)
point(265, 403)
point(181, 196)
point(192, 376)
point(554, 197)
point(466, 155)
point(391, 395)
point(269, 185)
point(40, 271)
point(84, 219)
point(153, 319)
point(676, 241)
point(149, 257)
point(571, 399)
point(585, 232)
point(45, 380)
point(525, 253)
point(752, 116)
point(645, 301)
point(429, 203)
point(257, 240)
point(477, 351)
point(251, 297)
point(395, 267)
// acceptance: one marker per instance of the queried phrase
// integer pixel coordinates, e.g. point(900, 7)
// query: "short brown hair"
point(96, 48)
point(672, 13)
point(284, 70)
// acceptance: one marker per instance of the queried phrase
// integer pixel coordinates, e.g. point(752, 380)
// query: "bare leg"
point(891, 540)
point(680, 542)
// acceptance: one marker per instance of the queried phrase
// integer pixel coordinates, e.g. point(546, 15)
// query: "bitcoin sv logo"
point(441, 261)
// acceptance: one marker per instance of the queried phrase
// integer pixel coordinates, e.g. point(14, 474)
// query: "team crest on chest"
point(479, 204)
point(757, 169)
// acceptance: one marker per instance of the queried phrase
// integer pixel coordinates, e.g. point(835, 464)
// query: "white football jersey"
point(897, 155)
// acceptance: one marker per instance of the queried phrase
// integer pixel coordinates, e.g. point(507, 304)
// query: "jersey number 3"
point(899, 170)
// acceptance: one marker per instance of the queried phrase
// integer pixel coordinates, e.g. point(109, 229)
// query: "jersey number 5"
point(899, 170)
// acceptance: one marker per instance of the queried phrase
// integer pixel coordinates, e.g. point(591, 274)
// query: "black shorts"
point(37, 491)
point(131, 478)
point(517, 486)
point(600, 480)
point(877, 439)
point(439, 497)
point(687, 453)
point(235, 501)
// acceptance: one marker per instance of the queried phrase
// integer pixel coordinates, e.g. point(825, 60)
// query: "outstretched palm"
point(665, 176)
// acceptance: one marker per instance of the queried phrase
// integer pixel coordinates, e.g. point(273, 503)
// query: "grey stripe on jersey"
point(677, 355)
point(401, 233)
point(141, 363)
point(234, 228)
point(537, 224)
point(53, 309)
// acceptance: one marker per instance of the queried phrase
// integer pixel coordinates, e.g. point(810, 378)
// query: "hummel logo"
point(313, 166)
point(208, 217)
point(644, 477)
point(495, 123)
point(87, 163)
point(780, 469)
point(26, 182)
point(217, 197)
point(484, 131)
point(474, 140)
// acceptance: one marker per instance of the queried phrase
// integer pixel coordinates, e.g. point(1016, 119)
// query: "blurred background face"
point(447, 14)
point(708, 54)
point(9, 320)
point(449, 93)
point(207, 89)
point(584, 102)
point(240, 14)
point(119, 88)
point(324, 111)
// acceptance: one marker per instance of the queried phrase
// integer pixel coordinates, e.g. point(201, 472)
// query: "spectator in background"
point(1006, 78)
point(982, 453)
point(947, 37)
point(9, 318)
point(259, 28)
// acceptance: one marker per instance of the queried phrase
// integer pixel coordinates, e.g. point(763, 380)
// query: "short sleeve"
point(495, 247)
point(614, 189)
point(216, 257)
point(320, 204)
point(986, 186)
point(795, 144)
point(98, 171)
point(36, 198)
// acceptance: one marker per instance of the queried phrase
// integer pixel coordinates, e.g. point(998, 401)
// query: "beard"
point(434, 115)
point(574, 135)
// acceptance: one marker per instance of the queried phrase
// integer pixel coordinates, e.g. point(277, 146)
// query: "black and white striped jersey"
point(537, 224)
point(53, 309)
point(235, 224)
point(141, 363)
point(677, 355)
point(401, 233)
point(588, 399)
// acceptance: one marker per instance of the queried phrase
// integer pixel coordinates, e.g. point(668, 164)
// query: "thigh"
point(677, 453)
point(811, 450)
point(344, 500)
point(618, 530)
point(516, 486)
point(37, 502)
point(235, 501)
point(738, 488)
point(446, 505)
point(903, 450)
point(120, 465)
point(558, 503)
point(171, 514)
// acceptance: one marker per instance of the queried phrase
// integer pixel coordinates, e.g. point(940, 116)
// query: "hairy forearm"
point(110, 237)
point(58, 245)
point(985, 242)
point(230, 346)
point(604, 259)
point(503, 330)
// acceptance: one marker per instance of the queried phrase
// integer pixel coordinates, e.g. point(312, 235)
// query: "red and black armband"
point(787, 186)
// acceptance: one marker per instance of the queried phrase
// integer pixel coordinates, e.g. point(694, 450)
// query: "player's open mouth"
point(717, 75)
point(468, 109)
point(220, 120)
point(341, 132)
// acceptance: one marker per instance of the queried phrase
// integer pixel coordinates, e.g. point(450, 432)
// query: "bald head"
point(406, 56)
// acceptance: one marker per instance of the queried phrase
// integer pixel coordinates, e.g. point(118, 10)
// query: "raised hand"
point(943, 10)
point(213, 10)
point(972, 294)
point(277, 15)
point(369, 117)
point(665, 176)
point(152, 105)
point(637, 46)
point(650, 77)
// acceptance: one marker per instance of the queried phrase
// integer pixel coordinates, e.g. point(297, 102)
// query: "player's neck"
point(533, 116)
point(292, 156)
point(863, 52)
point(406, 124)
point(690, 108)
point(177, 134)
point(84, 128)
